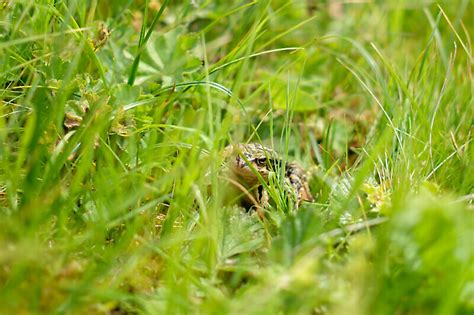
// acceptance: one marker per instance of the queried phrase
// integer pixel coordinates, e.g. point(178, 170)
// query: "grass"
point(127, 209)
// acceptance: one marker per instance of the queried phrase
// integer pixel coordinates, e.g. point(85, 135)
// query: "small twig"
point(241, 188)
point(246, 193)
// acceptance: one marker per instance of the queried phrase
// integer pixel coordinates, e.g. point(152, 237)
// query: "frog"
point(250, 166)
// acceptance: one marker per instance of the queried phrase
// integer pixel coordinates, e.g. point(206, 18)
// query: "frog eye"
point(261, 161)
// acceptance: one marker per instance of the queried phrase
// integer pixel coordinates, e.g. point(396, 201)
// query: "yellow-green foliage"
point(114, 115)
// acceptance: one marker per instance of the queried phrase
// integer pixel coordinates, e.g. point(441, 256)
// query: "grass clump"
point(112, 125)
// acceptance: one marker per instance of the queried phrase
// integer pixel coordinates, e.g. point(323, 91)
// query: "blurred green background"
point(114, 115)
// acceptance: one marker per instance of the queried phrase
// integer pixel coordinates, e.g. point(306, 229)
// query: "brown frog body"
point(251, 164)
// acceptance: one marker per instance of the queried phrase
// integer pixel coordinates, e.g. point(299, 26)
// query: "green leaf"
point(124, 94)
point(169, 58)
